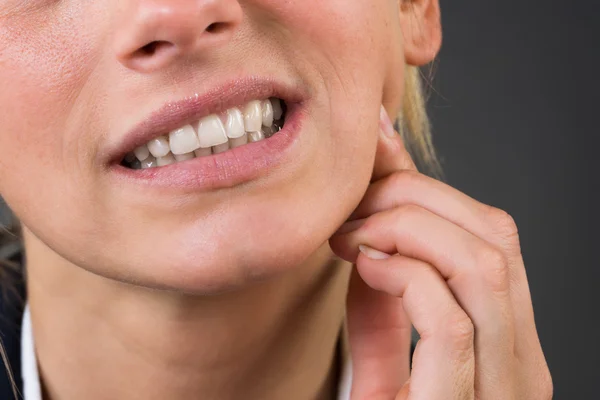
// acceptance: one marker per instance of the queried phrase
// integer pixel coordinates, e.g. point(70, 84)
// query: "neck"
point(97, 337)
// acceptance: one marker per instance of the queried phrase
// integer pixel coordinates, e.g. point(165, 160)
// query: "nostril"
point(152, 48)
point(216, 27)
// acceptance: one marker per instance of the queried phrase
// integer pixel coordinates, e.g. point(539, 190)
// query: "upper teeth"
point(212, 134)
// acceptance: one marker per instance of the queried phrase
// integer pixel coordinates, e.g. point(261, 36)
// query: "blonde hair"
point(414, 126)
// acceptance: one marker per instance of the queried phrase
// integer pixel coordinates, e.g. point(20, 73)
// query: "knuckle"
point(504, 225)
point(546, 389)
point(494, 267)
point(461, 332)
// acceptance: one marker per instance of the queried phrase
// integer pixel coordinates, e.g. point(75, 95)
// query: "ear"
point(422, 30)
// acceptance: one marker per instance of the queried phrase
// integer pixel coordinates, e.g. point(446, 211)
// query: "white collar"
point(31, 379)
point(29, 371)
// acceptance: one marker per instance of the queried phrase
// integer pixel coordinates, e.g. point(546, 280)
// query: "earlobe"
point(422, 30)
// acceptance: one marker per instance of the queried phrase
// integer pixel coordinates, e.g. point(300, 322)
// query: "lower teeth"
point(266, 132)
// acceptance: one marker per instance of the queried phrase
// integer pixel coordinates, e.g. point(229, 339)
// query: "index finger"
point(391, 153)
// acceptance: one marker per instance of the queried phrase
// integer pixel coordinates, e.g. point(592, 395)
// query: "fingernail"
point(372, 253)
point(350, 226)
point(386, 124)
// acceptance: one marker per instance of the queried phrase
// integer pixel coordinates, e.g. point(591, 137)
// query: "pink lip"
point(226, 169)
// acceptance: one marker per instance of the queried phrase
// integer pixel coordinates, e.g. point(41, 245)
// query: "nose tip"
point(154, 33)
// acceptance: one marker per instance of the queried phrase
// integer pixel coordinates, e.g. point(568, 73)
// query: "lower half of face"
point(64, 108)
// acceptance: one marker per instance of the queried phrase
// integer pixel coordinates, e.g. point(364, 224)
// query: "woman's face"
point(85, 82)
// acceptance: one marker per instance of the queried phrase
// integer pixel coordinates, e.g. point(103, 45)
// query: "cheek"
point(355, 49)
point(43, 70)
point(353, 38)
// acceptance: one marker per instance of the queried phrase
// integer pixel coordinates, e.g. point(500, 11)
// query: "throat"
point(278, 339)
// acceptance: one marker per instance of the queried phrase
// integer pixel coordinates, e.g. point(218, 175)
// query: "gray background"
point(514, 115)
point(515, 121)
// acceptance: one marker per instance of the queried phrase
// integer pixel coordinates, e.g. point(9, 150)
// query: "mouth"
point(230, 135)
point(213, 134)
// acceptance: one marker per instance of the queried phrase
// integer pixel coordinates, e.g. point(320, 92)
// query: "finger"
point(443, 363)
point(380, 337)
point(391, 153)
point(486, 222)
point(381, 330)
point(476, 273)
point(410, 187)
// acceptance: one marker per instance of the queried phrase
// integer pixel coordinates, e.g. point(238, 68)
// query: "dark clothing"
point(12, 303)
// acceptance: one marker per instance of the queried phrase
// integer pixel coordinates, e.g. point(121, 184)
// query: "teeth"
point(166, 160)
point(237, 142)
point(184, 157)
point(253, 116)
point(159, 147)
point(183, 140)
point(277, 109)
point(267, 113)
point(202, 152)
point(213, 134)
point(149, 162)
point(220, 148)
point(235, 123)
point(142, 152)
point(255, 136)
point(211, 131)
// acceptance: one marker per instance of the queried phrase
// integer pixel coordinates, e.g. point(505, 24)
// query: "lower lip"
point(231, 168)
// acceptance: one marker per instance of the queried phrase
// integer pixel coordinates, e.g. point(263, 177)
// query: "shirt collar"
point(29, 371)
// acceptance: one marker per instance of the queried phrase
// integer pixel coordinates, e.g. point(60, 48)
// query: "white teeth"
point(253, 116)
point(184, 157)
point(211, 131)
point(220, 148)
point(235, 123)
point(166, 160)
point(183, 140)
point(267, 113)
point(237, 142)
point(142, 152)
point(159, 147)
point(213, 134)
point(201, 152)
point(277, 110)
point(255, 136)
point(149, 162)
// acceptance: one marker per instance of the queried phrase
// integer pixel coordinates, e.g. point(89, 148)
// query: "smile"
point(236, 132)
point(214, 134)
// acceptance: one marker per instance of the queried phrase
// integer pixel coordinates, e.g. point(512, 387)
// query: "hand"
point(434, 257)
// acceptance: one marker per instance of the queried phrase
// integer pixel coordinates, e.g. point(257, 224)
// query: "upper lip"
point(173, 115)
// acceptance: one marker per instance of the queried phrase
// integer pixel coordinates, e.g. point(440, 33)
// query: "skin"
point(166, 294)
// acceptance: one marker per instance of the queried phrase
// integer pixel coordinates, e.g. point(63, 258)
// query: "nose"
point(155, 33)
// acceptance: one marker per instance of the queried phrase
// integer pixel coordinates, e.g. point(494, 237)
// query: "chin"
point(199, 269)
